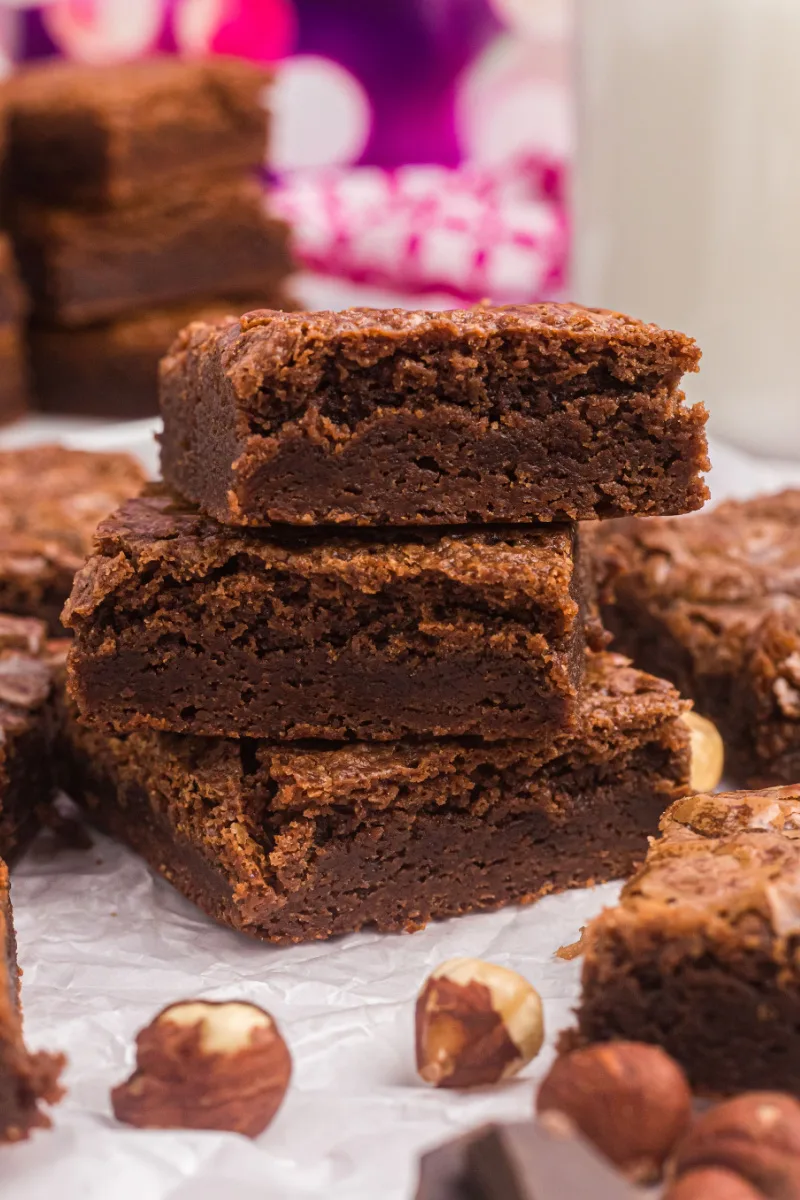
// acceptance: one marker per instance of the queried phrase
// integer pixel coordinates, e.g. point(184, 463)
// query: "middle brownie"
point(183, 624)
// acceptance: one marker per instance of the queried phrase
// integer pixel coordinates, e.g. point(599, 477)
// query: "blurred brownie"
point(26, 1080)
point(190, 626)
point(297, 842)
point(99, 136)
point(190, 241)
point(111, 370)
point(13, 301)
point(14, 390)
point(51, 500)
point(27, 720)
point(535, 413)
point(701, 955)
point(712, 602)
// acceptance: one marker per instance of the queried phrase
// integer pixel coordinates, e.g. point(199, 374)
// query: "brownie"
point(99, 136)
point(186, 625)
point(296, 842)
point(111, 369)
point(533, 413)
point(27, 720)
point(14, 387)
point(82, 268)
point(712, 602)
point(51, 500)
point(701, 955)
point(26, 1080)
point(13, 301)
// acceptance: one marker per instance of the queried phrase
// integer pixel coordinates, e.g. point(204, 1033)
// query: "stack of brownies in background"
point(13, 307)
point(135, 206)
point(343, 666)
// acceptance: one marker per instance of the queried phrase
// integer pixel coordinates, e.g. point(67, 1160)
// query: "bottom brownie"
point(701, 954)
point(26, 1080)
point(309, 841)
point(111, 369)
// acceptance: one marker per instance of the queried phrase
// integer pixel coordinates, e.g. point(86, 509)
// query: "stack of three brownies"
point(342, 668)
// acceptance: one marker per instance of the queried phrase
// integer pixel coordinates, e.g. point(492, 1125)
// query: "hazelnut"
point(756, 1136)
point(711, 1183)
point(206, 1065)
point(476, 1023)
point(708, 753)
point(630, 1099)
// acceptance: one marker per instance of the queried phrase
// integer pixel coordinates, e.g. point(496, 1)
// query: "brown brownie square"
point(387, 417)
point(712, 602)
point(100, 136)
point(700, 956)
point(26, 1080)
point(191, 241)
point(51, 500)
point(187, 625)
point(301, 841)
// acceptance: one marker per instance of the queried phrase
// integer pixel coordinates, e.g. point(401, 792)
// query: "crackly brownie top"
point(158, 532)
point(743, 553)
point(51, 500)
point(25, 672)
point(455, 355)
point(156, 89)
point(730, 857)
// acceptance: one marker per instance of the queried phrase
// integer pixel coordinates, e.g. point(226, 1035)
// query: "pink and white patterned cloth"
point(473, 233)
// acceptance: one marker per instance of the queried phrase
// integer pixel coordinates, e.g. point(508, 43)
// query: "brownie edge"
point(387, 417)
point(700, 955)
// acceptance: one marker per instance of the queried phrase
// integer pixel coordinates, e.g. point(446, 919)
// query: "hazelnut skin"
point(711, 1183)
point(756, 1136)
point(708, 753)
point(476, 1023)
point(206, 1065)
point(631, 1100)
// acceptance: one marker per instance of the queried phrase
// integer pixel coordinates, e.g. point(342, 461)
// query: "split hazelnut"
point(756, 1136)
point(711, 1183)
point(476, 1023)
point(630, 1099)
point(707, 751)
point(206, 1065)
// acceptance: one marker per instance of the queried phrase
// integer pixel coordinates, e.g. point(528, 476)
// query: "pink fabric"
point(475, 233)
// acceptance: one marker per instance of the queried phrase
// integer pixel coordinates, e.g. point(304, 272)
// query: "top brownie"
point(713, 603)
point(532, 413)
point(51, 500)
point(96, 136)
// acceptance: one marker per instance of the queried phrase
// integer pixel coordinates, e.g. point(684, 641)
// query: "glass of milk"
point(687, 193)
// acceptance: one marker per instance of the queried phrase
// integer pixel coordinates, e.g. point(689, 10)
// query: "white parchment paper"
point(104, 945)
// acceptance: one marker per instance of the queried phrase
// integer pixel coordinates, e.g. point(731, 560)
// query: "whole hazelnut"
point(756, 1136)
point(630, 1099)
point(476, 1023)
point(708, 753)
point(206, 1065)
point(711, 1183)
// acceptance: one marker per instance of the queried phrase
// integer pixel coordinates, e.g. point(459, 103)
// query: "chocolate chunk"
point(542, 1160)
